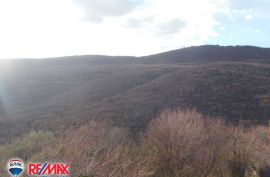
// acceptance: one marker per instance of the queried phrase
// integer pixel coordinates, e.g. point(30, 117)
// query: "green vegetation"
point(28, 146)
point(175, 144)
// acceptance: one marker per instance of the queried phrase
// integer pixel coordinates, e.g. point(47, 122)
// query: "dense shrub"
point(185, 144)
point(28, 146)
point(98, 150)
point(176, 144)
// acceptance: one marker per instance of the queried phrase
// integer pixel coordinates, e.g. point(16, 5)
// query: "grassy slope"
point(55, 93)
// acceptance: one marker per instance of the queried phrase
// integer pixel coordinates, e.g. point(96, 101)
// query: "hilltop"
point(59, 93)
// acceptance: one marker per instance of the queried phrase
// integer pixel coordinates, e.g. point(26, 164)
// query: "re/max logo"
point(48, 169)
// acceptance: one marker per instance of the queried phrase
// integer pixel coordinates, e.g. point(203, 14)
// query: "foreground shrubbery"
point(176, 144)
point(186, 144)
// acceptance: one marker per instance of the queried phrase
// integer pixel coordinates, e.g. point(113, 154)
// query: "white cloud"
point(97, 10)
point(172, 27)
point(247, 14)
point(44, 28)
point(248, 17)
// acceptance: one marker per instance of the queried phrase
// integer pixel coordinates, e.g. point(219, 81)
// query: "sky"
point(52, 28)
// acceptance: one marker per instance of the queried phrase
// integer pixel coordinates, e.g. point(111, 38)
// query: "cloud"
point(138, 22)
point(191, 20)
point(125, 27)
point(248, 17)
point(171, 27)
point(247, 14)
point(97, 10)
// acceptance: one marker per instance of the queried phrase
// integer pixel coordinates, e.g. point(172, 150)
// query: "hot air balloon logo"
point(15, 167)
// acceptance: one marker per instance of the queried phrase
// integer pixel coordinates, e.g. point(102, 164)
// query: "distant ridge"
point(207, 53)
point(204, 53)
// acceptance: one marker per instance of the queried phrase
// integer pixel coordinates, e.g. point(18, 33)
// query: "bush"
point(187, 144)
point(176, 144)
point(26, 147)
point(98, 150)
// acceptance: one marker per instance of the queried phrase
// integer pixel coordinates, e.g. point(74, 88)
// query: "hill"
point(212, 53)
point(59, 93)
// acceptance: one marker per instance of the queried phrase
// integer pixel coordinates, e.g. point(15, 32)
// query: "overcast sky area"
point(50, 28)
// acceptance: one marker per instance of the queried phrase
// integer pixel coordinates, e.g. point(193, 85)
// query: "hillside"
point(58, 93)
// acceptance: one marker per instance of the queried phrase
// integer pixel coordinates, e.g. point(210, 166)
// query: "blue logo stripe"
point(45, 164)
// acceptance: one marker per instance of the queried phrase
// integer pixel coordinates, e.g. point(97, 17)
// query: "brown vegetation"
point(186, 144)
point(176, 144)
point(54, 94)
